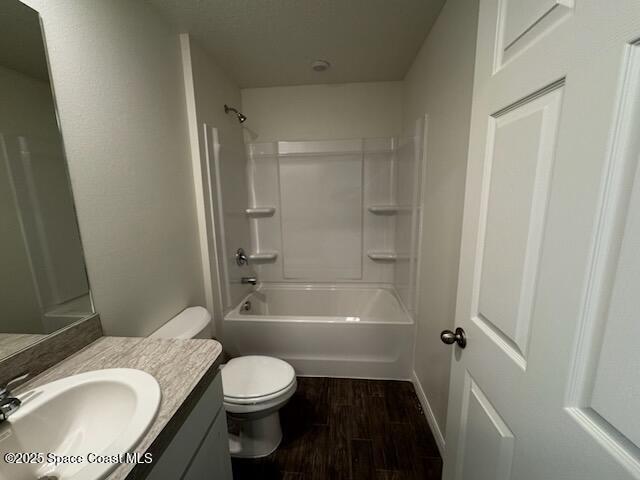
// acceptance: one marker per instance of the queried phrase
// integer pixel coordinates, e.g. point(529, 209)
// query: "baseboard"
point(428, 412)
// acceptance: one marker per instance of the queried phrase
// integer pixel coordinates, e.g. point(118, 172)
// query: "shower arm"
point(241, 117)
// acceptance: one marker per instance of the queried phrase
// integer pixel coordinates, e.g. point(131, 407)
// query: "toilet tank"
point(192, 322)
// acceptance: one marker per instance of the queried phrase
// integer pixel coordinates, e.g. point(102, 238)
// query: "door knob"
point(459, 337)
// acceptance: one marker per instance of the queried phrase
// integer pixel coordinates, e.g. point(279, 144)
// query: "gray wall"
point(440, 84)
point(116, 71)
point(324, 112)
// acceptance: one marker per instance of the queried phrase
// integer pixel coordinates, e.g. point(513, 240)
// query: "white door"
point(548, 386)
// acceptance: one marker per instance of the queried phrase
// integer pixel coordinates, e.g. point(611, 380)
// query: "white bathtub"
point(337, 331)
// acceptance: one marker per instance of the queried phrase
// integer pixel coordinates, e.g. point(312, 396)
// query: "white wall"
point(439, 84)
point(208, 89)
point(117, 77)
point(323, 112)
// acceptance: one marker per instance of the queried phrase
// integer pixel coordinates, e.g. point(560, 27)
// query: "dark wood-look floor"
point(350, 429)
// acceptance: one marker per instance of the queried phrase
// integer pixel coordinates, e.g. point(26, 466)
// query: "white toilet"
point(192, 322)
point(255, 388)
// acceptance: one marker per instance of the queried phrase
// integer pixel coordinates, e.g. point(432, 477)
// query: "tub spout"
point(251, 280)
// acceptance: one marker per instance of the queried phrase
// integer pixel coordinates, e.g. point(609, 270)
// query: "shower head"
point(241, 118)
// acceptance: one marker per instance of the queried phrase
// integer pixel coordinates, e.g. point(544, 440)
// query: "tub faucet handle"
point(241, 257)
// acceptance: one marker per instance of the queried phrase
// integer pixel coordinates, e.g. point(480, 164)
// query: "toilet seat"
point(264, 404)
point(256, 382)
point(253, 377)
point(262, 399)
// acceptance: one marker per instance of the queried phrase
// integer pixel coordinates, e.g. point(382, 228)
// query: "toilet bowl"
point(255, 387)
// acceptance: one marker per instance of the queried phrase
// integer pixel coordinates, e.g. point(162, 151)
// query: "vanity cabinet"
point(212, 458)
point(200, 448)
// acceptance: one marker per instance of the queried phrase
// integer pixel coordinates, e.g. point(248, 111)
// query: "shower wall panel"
point(321, 198)
point(320, 210)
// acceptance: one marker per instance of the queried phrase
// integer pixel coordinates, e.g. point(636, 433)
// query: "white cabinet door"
point(548, 387)
point(212, 462)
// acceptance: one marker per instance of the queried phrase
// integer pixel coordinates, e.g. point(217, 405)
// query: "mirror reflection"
point(43, 281)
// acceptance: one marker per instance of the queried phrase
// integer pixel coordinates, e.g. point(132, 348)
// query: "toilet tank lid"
point(187, 324)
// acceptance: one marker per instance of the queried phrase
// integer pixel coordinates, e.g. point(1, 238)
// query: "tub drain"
point(48, 477)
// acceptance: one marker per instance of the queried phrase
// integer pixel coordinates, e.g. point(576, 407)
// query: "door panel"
point(522, 22)
point(487, 446)
point(519, 167)
point(606, 373)
point(618, 379)
point(549, 280)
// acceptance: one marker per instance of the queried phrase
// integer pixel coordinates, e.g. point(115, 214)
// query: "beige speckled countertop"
point(183, 368)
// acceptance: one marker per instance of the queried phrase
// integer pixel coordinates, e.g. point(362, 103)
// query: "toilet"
point(192, 322)
point(255, 387)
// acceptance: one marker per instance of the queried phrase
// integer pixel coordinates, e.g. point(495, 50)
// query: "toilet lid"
point(255, 376)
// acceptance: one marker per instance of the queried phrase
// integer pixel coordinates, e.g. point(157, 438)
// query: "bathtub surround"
point(329, 217)
point(439, 84)
point(316, 210)
point(119, 88)
point(312, 133)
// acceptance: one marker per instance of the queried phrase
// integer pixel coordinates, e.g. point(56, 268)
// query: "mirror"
point(43, 280)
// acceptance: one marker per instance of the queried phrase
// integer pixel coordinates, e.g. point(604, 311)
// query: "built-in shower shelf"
point(384, 209)
point(390, 209)
point(383, 256)
point(260, 211)
point(263, 256)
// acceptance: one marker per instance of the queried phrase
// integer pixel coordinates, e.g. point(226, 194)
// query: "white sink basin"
point(105, 412)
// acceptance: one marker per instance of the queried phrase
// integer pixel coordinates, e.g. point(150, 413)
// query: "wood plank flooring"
point(349, 429)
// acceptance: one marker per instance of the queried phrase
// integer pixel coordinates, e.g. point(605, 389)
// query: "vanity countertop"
point(183, 368)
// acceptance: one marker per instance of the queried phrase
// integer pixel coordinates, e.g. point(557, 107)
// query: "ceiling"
point(21, 44)
point(273, 42)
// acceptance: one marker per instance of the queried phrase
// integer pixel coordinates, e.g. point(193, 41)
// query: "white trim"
point(420, 245)
point(196, 164)
point(428, 413)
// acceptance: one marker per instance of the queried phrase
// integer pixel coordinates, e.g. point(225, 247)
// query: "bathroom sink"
point(80, 419)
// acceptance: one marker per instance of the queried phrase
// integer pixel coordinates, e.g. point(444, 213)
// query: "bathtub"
point(335, 331)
